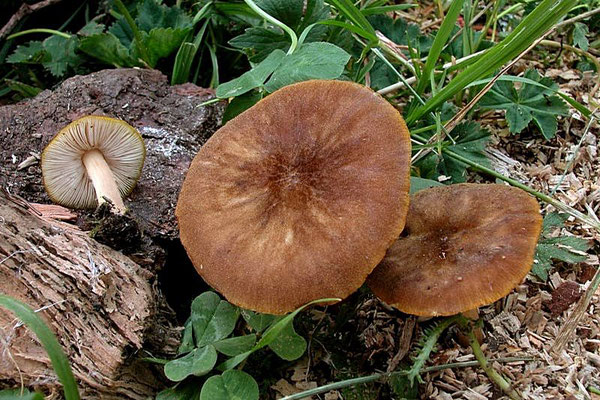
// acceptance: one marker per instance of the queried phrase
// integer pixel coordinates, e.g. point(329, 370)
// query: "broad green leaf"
point(187, 340)
point(253, 78)
point(108, 49)
point(579, 39)
point(258, 321)
point(151, 15)
point(198, 362)
point(537, 103)
point(91, 28)
point(183, 391)
point(236, 345)
point(288, 344)
point(232, 385)
point(160, 42)
point(59, 360)
point(62, 54)
point(551, 247)
point(240, 104)
point(318, 60)
point(213, 319)
point(270, 335)
point(417, 184)
point(32, 52)
point(15, 394)
point(259, 42)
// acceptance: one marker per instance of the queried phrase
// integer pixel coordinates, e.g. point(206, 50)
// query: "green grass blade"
point(352, 28)
point(532, 27)
point(385, 9)
point(46, 337)
point(136, 32)
point(440, 40)
point(183, 63)
point(353, 14)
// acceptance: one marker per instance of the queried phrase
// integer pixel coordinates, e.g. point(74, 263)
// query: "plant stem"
point(376, 377)
point(39, 30)
point(275, 22)
point(489, 370)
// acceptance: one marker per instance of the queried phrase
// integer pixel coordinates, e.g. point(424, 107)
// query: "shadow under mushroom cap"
point(299, 197)
point(463, 246)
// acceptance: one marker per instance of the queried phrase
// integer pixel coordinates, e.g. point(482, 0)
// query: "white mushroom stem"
point(103, 179)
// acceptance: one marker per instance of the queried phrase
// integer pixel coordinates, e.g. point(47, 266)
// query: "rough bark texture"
point(169, 118)
point(98, 302)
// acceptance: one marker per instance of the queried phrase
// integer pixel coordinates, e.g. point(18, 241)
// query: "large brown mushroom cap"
point(299, 197)
point(463, 246)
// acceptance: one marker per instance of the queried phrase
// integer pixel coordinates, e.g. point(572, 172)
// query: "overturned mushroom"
point(298, 197)
point(463, 246)
point(92, 160)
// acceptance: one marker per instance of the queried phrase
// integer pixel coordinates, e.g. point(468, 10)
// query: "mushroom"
point(93, 160)
point(463, 246)
point(299, 197)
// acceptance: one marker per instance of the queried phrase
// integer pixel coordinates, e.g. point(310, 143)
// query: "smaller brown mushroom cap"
point(463, 246)
point(91, 159)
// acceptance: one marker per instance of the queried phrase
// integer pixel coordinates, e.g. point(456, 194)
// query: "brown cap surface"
point(463, 246)
point(299, 197)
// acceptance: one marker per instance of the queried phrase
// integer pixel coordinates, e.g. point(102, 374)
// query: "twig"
point(376, 377)
point(578, 18)
point(489, 370)
point(568, 328)
point(23, 11)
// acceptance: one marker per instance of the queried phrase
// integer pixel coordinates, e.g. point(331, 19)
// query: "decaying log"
point(98, 302)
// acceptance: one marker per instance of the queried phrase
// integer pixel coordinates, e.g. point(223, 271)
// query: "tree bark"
point(98, 302)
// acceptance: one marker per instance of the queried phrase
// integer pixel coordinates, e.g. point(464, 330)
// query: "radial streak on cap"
point(94, 142)
point(463, 246)
point(297, 198)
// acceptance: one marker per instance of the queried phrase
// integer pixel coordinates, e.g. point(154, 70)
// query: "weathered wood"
point(98, 302)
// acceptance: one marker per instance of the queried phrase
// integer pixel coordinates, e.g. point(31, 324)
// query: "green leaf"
point(62, 54)
point(469, 142)
point(240, 104)
point(259, 42)
point(198, 362)
point(108, 49)
point(236, 345)
point(258, 321)
point(183, 391)
point(418, 184)
point(288, 344)
point(551, 247)
point(91, 28)
point(187, 340)
point(32, 52)
point(270, 335)
point(213, 319)
point(59, 360)
point(579, 39)
point(317, 60)
point(253, 78)
point(160, 42)
point(232, 385)
point(153, 15)
point(537, 103)
point(23, 89)
point(15, 394)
